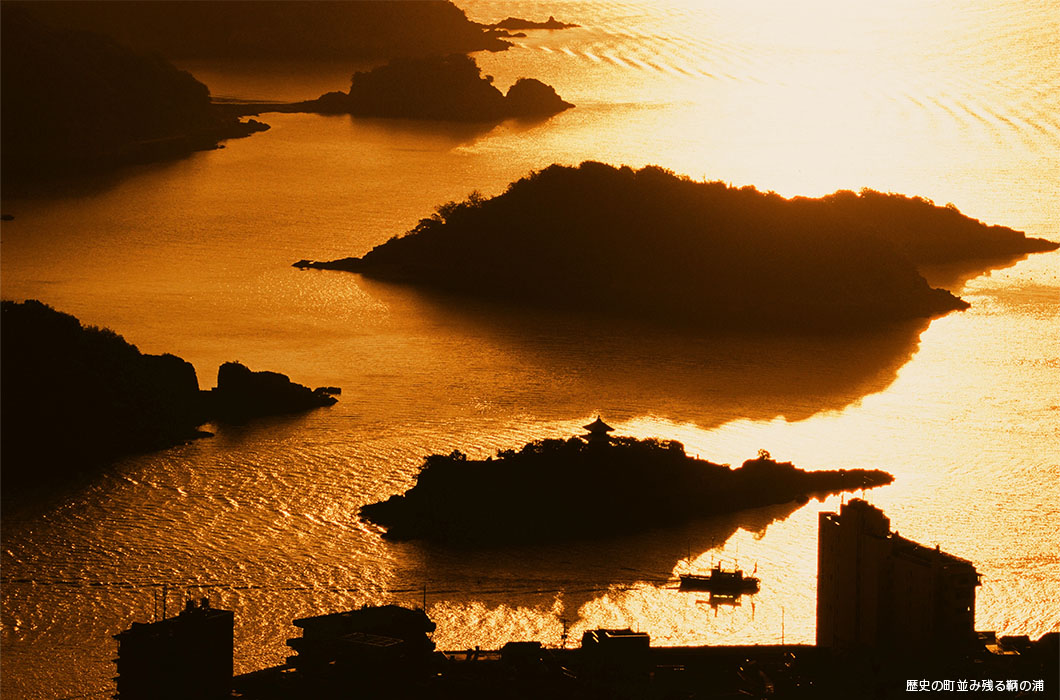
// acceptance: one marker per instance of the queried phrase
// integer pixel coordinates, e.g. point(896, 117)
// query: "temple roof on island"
point(598, 427)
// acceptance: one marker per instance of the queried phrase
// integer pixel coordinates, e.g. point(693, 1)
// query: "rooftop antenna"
point(781, 625)
point(165, 591)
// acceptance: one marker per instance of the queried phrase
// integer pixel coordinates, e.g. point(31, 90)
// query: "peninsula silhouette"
point(650, 244)
point(276, 29)
point(442, 88)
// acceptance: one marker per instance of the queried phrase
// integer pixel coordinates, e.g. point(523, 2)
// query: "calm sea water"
point(955, 101)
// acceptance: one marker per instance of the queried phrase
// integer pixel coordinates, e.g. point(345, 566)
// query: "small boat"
point(719, 581)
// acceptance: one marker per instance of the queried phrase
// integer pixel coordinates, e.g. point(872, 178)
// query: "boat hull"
point(719, 585)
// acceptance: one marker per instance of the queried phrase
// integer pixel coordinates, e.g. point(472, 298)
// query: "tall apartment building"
point(876, 589)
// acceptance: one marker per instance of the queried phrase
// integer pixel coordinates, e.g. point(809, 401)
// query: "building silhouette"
point(380, 650)
point(876, 589)
point(187, 656)
point(598, 433)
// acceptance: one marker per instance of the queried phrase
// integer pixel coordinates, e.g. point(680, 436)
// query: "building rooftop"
point(598, 426)
point(191, 614)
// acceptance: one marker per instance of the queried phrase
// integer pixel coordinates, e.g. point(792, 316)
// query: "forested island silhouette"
point(591, 486)
point(444, 88)
point(79, 396)
point(650, 244)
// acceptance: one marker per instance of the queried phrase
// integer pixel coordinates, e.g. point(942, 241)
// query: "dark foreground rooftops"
point(187, 656)
point(386, 652)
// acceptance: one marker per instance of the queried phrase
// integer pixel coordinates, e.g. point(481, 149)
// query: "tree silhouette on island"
point(590, 486)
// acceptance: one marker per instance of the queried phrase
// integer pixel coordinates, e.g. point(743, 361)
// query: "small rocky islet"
point(276, 30)
point(593, 485)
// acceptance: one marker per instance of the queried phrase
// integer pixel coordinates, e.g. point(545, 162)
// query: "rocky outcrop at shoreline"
point(242, 394)
point(77, 396)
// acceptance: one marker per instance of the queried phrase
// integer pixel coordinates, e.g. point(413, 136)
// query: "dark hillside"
point(75, 100)
point(276, 29)
point(77, 396)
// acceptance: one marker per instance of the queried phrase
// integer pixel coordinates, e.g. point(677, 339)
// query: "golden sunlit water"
point(954, 101)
